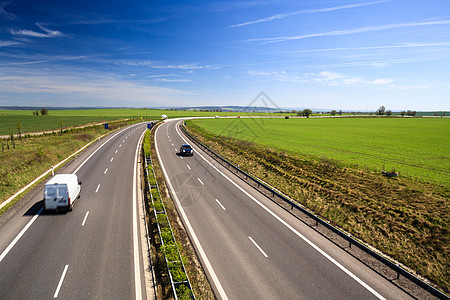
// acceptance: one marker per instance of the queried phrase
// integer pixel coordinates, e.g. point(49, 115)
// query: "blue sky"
point(350, 55)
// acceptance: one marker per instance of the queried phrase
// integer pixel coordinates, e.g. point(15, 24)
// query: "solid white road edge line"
point(257, 246)
point(137, 265)
point(16, 239)
point(365, 285)
point(223, 207)
point(199, 247)
point(61, 281)
point(85, 218)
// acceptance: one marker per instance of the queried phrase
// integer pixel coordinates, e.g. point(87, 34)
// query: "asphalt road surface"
point(92, 252)
point(249, 246)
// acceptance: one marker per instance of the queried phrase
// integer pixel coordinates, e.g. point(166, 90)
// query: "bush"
point(184, 293)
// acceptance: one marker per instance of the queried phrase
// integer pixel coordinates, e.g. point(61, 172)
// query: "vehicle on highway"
point(186, 149)
point(164, 117)
point(61, 191)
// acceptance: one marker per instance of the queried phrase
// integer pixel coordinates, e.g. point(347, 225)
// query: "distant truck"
point(164, 117)
point(61, 191)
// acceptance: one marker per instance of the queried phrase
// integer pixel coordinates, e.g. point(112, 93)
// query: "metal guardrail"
point(294, 205)
point(179, 260)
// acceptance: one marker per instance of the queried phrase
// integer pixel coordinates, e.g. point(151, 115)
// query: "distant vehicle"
point(217, 117)
point(164, 117)
point(61, 191)
point(186, 150)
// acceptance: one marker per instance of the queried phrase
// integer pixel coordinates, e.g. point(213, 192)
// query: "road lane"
point(95, 239)
point(293, 268)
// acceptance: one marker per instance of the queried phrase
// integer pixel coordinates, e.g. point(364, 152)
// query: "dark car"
point(186, 150)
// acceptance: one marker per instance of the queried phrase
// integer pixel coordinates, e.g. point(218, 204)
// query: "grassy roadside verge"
point(32, 156)
point(197, 277)
point(406, 219)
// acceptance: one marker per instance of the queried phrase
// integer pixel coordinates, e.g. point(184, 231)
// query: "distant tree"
point(35, 113)
point(306, 112)
point(44, 111)
point(411, 113)
point(333, 112)
point(388, 112)
point(381, 110)
point(403, 113)
point(340, 112)
point(19, 128)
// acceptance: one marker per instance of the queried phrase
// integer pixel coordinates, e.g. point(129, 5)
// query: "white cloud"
point(173, 80)
point(298, 12)
point(159, 65)
point(348, 31)
point(30, 33)
point(8, 43)
point(406, 45)
point(325, 78)
point(91, 88)
point(4, 14)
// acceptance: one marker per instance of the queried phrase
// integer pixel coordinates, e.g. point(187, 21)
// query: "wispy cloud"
point(348, 31)
point(88, 86)
point(159, 65)
point(329, 78)
point(173, 79)
point(4, 14)
point(8, 43)
point(308, 11)
point(406, 45)
point(48, 33)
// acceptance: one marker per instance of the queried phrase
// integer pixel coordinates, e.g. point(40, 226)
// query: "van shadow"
point(32, 211)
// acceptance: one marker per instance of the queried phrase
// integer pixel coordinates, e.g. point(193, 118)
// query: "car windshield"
point(185, 147)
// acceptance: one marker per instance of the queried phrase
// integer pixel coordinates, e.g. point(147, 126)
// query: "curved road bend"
point(250, 247)
point(92, 252)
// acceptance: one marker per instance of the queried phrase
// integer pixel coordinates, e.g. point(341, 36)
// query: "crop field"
point(415, 147)
point(69, 118)
point(333, 166)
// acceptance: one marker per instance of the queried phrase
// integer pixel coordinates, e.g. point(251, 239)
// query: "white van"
point(61, 191)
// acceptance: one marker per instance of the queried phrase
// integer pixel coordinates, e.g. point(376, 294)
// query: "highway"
point(92, 252)
point(250, 247)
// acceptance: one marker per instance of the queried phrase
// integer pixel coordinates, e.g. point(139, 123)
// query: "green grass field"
point(416, 147)
point(52, 121)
